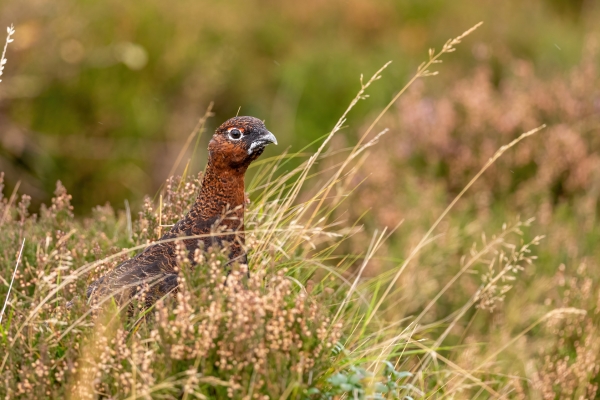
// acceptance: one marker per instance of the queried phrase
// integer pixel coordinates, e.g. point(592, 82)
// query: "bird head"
point(238, 142)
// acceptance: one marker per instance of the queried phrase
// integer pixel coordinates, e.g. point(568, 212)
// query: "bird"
point(217, 214)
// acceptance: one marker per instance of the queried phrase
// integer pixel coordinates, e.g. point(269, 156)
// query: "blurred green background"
point(103, 95)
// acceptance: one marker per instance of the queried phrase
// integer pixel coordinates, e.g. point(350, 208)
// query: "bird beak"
point(269, 138)
point(263, 140)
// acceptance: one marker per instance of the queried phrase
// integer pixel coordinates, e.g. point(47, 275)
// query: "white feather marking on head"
point(252, 147)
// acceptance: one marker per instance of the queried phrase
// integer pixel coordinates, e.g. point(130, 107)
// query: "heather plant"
point(221, 336)
point(569, 367)
point(451, 135)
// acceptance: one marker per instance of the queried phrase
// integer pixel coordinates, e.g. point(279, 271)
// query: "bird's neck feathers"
point(221, 194)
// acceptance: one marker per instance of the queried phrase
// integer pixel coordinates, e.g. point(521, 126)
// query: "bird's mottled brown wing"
point(153, 270)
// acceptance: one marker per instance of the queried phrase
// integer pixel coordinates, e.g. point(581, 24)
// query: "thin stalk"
point(12, 280)
point(412, 255)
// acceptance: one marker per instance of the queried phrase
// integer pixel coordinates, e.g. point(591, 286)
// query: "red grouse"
point(219, 207)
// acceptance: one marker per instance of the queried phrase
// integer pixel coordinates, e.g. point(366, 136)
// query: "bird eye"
point(235, 134)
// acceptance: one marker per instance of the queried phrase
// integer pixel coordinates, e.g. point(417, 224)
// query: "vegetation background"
point(103, 97)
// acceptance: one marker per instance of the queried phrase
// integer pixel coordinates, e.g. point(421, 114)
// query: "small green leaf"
point(401, 374)
point(338, 379)
point(354, 379)
point(389, 367)
point(381, 388)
